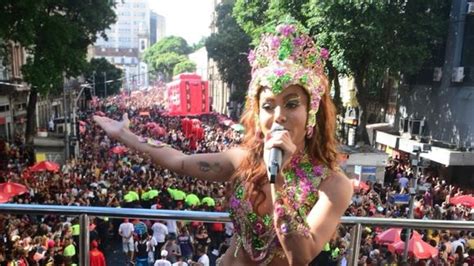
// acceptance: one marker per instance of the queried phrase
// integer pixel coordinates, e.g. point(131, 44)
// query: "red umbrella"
point(416, 248)
point(356, 184)
point(4, 198)
point(13, 189)
point(45, 166)
point(391, 235)
point(466, 200)
point(119, 150)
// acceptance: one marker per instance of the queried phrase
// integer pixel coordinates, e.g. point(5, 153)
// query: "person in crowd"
point(289, 218)
point(203, 259)
point(96, 256)
point(141, 250)
point(174, 250)
point(126, 232)
point(160, 231)
point(163, 261)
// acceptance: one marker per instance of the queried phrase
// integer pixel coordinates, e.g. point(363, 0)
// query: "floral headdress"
point(286, 56)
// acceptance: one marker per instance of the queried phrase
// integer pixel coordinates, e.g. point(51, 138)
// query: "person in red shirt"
point(96, 256)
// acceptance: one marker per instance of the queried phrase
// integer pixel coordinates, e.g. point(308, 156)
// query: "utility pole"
point(66, 124)
point(412, 192)
point(93, 83)
point(105, 84)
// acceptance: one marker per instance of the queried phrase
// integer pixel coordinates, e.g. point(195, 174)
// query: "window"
point(4, 108)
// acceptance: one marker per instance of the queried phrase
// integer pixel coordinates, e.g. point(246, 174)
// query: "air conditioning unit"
point(437, 73)
point(470, 8)
point(458, 74)
point(415, 127)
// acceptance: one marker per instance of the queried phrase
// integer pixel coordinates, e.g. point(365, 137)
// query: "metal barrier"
point(85, 212)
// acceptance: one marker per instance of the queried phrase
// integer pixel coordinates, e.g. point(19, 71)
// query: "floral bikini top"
point(256, 234)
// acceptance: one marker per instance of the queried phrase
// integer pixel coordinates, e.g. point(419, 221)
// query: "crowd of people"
point(100, 177)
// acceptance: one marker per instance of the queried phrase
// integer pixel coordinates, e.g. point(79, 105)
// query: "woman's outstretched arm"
point(208, 166)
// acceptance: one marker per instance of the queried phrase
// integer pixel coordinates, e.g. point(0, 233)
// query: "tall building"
point(127, 39)
point(157, 27)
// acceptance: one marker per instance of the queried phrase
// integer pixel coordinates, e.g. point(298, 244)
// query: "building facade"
point(157, 27)
point(127, 39)
point(436, 111)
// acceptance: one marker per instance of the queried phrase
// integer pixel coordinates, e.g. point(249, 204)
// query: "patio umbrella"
point(391, 235)
point(416, 248)
point(119, 150)
point(465, 200)
point(45, 166)
point(4, 197)
point(13, 189)
point(356, 184)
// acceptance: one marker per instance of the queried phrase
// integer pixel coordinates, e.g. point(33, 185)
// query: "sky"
point(189, 19)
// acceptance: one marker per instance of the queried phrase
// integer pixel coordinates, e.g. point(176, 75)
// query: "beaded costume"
point(298, 195)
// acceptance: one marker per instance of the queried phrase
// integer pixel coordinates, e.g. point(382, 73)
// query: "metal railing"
point(85, 212)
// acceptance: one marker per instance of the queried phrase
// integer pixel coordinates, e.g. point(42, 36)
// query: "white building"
point(127, 39)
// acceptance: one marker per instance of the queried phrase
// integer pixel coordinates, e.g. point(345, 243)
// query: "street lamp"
point(412, 191)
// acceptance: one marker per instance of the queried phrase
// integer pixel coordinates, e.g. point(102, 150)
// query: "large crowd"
point(107, 174)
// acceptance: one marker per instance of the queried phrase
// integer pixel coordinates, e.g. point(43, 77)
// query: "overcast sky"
point(189, 19)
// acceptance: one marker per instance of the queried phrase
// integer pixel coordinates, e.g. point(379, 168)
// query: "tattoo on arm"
point(206, 167)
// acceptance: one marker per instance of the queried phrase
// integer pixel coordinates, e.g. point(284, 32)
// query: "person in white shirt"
point(172, 228)
point(126, 232)
point(203, 258)
point(159, 234)
point(163, 261)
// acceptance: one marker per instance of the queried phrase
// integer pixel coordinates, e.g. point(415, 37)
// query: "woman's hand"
point(113, 128)
point(282, 140)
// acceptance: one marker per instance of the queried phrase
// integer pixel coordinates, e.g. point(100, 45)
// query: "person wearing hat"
point(163, 261)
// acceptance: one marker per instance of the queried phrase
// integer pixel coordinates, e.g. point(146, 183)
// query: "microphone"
point(275, 156)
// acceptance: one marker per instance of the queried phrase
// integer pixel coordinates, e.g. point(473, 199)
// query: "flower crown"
point(286, 56)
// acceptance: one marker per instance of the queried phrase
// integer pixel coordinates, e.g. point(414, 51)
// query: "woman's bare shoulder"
point(337, 186)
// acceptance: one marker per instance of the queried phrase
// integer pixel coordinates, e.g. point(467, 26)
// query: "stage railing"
point(85, 212)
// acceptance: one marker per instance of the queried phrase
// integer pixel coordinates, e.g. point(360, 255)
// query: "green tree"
point(99, 66)
point(229, 48)
point(199, 44)
point(56, 34)
point(366, 39)
point(184, 66)
point(165, 54)
point(369, 39)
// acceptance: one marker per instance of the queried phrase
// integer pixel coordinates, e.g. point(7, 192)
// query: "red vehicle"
point(187, 94)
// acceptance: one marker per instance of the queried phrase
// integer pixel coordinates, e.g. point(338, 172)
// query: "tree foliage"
point(184, 66)
point(164, 55)
point(366, 39)
point(99, 66)
point(229, 48)
point(56, 34)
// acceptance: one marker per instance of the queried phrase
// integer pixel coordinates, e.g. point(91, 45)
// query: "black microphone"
point(275, 156)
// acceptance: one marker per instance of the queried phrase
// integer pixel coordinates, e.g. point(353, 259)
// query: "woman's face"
point(289, 109)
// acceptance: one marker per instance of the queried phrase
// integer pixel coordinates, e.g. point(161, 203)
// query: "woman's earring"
point(259, 134)
point(309, 131)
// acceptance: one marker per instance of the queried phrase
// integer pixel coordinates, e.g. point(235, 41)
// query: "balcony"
point(84, 212)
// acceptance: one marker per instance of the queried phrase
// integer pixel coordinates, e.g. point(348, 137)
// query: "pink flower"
point(258, 227)
point(234, 203)
point(324, 53)
point(298, 41)
point(279, 72)
point(280, 211)
point(318, 170)
point(251, 57)
point(275, 42)
point(286, 30)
